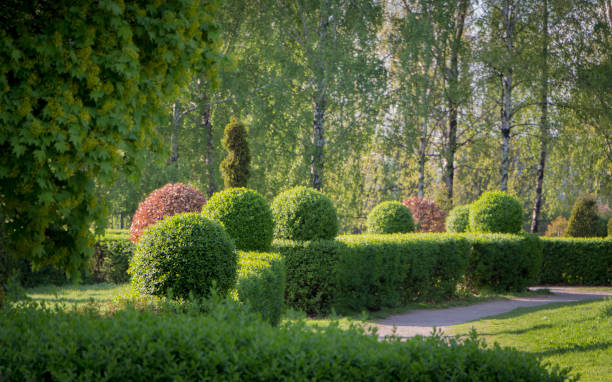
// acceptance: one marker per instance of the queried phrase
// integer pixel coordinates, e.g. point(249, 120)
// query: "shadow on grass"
point(577, 348)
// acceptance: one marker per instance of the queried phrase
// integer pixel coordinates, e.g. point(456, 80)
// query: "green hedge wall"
point(111, 259)
point(357, 272)
point(261, 283)
point(577, 261)
point(504, 262)
point(228, 345)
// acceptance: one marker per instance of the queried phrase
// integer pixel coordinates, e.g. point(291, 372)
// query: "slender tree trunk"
point(452, 103)
point(422, 160)
point(317, 160)
point(209, 156)
point(506, 110)
point(174, 140)
point(537, 203)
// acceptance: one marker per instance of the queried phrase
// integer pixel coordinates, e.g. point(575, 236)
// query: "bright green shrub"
point(261, 284)
point(302, 213)
point(359, 272)
point(235, 167)
point(496, 212)
point(577, 261)
point(458, 219)
point(229, 344)
point(112, 259)
point(185, 253)
point(583, 221)
point(390, 217)
point(246, 216)
point(504, 262)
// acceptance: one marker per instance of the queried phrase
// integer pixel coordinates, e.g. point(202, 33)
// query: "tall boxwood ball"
point(496, 211)
point(458, 219)
point(246, 216)
point(304, 214)
point(184, 253)
point(390, 217)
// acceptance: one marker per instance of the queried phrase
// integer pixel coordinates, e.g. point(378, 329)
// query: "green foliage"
point(584, 221)
point(184, 254)
point(577, 261)
point(504, 262)
point(112, 258)
point(359, 272)
point(261, 284)
point(235, 167)
point(302, 213)
point(557, 227)
point(229, 344)
point(610, 227)
point(246, 216)
point(390, 217)
point(458, 219)
point(602, 226)
point(81, 92)
point(496, 212)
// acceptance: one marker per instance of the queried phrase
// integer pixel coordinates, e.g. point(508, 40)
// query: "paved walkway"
point(422, 321)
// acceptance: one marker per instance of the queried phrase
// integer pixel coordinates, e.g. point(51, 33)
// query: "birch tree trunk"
point(209, 152)
point(509, 15)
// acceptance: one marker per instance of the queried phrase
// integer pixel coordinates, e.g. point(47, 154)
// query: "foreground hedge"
point(577, 261)
point(226, 344)
point(504, 262)
point(357, 272)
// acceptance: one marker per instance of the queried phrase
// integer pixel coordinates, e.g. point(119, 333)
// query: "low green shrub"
point(229, 344)
point(359, 272)
point(28, 277)
point(112, 256)
point(246, 216)
point(584, 221)
point(496, 212)
point(303, 214)
point(504, 262)
point(458, 219)
point(577, 261)
point(390, 217)
point(185, 254)
point(261, 284)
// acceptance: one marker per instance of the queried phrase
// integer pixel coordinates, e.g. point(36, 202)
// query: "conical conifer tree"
point(235, 166)
point(583, 221)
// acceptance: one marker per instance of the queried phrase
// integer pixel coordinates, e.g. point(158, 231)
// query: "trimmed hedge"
point(357, 272)
point(303, 214)
point(261, 284)
point(186, 254)
point(246, 216)
point(577, 261)
point(390, 217)
point(496, 212)
point(228, 344)
point(504, 262)
point(458, 219)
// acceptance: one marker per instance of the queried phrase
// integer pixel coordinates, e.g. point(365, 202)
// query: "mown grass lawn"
point(577, 335)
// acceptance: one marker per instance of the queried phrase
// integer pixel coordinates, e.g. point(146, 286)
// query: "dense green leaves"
point(496, 211)
point(390, 217)
point(235, 166)
point(583, 221)
point(458, 219)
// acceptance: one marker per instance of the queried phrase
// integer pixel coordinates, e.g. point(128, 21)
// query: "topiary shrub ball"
point(458, 219)
point(246, 216)
point(496, 211)
point(173, 198)
point(185, 253)
point(390, 217)
point(304, 214)
point(584, 221)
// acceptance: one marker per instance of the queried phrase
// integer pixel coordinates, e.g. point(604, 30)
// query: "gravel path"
point(422, 321)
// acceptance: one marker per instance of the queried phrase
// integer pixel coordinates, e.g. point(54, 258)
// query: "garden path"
point(422, 321)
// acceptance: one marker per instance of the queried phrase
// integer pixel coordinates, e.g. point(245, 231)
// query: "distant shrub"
point(185, 253)
point(504, 262)
point(246, 216)
point(302, 213)
point(261, 284)
point(428, 217)
point(458, 219)
point(584, 221)
point(602, 226)
point(577, 261)
point(557, 227)
point(390, 217)
point(496, 212)
point(610, 227)
point(166, 201)
point(111, 260)
point(235, 167)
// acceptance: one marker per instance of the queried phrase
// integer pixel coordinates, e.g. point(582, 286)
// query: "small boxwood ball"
point(184, 253)
point(304, 214)
point(246, 216)
point(390, 217)
point(496, 211)
point(458, 219)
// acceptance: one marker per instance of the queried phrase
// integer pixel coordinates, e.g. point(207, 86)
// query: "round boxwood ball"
point(390, 217)
point(496, 211)
point(303, 214)
point(458, 219)
point(246, 216)
point(184, 253)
